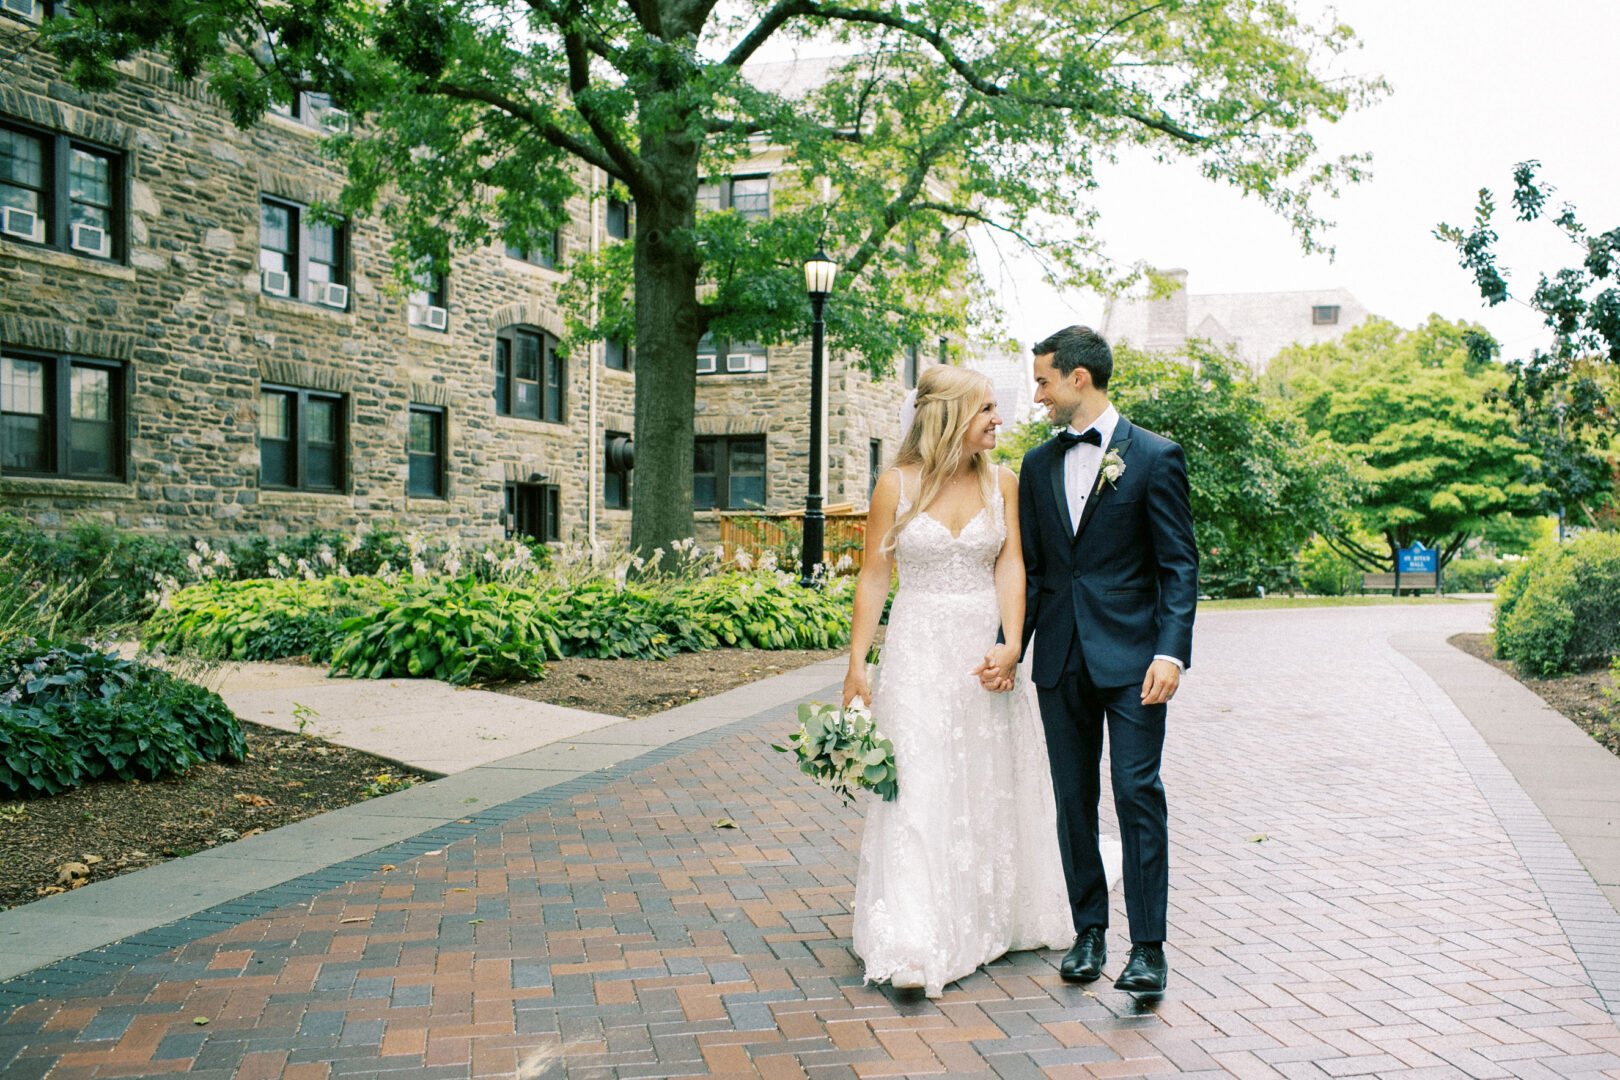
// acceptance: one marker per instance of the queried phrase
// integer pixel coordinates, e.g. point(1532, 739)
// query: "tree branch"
point(579, 83)
point(1106, 34)
point(768, 24)
point(589, 153)
point(1088, 104)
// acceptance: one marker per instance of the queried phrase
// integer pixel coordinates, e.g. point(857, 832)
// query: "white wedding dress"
point(963, 865)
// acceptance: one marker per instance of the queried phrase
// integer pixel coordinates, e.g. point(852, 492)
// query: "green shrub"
point(454, 630)
point(1475, 575)
point(262, 620)
point(768, 611)
point(72, 713)
point(1559, 610)
point(1325, 572)
point(105, 576)
point(599, 620)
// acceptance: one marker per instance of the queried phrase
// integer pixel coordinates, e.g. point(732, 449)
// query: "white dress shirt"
point(1081, 463)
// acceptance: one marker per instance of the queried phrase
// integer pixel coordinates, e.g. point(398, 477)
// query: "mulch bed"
point(109, 828)
point(1580, 697)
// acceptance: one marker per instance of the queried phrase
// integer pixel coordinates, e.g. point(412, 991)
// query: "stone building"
point(185, 347)
point(1256, 325)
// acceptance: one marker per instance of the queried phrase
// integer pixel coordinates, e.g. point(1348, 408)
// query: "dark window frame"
point(912, 367)
point(302, 242)
point(726, 196)
point(551, 383)
point(723, 446)
point(56, 209)
point(58, 416)
point(617, 356)
point(874, 465)
point(545, 252)
point(299, 442)
point(618, 219)
point(542, 503)
point(432, 290)
point(437, 457)
point(1324, 314)
point(720, 351)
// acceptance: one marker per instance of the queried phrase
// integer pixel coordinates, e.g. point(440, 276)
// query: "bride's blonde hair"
point(948, 398)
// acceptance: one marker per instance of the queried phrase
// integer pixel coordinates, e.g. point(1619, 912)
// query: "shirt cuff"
point(1179, 665)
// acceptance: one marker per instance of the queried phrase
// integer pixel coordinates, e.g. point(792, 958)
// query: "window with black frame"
point(301, 439)
point(874, 464)
point(533, 511)
point(913, 366)
point(540, 251)
point(61, 416)
point(728, 472)
point(61, 192)
point(618, 219)
point(428, 454)
point(426, 307)
point(750, 196)
point(301, 257)
point(616, 355)
point(529, 374)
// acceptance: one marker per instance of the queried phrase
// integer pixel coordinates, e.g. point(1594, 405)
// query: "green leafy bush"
point(768, 611)
point(265, 619)
point(71, 713)
point(1474, 575)
point(1325, 572)
point(451, 630)
point(598, 619)
point(1559, 610)
point(104, 576)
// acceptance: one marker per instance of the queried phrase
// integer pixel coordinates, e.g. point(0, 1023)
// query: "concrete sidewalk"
point(1364, 882)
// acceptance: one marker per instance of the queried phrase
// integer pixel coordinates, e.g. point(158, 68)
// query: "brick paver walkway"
point(1344, 902)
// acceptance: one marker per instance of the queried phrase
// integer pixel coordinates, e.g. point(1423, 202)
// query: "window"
point(427, 453)
point(300, 439)
point(618, 219)
point(534, 511)
point(528, 374)
point(300, 257)
point(1325, 315)
point(426, 306)
point(314, 110)
point(944, 350)
point(61, 416)
point(874, 465)
point(618, 461)
point(541, 252)
point(912, 364)
point(719, 356)
point(616, 355)
point(750, 196)
point(728, 473)
point(61, 193)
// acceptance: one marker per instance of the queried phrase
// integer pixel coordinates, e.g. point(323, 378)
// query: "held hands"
point(1161, 682)
point(855, 686)
point(995, 671)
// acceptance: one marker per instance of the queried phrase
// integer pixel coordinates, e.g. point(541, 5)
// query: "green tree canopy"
point(1424, 412)
point(1261, 485)
point(951, 113)
point(1565, 396)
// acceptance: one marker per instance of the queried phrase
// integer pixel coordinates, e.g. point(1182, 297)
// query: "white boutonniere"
point(1113, 467)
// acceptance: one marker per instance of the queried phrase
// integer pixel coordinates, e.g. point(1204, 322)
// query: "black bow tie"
point(1067, 439)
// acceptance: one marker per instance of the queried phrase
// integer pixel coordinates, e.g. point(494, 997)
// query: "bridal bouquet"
point(841, 749)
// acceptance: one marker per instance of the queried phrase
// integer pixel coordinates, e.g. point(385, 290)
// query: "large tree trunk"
point(669, 323)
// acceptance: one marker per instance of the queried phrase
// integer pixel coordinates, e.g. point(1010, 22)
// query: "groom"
point(1112, 583)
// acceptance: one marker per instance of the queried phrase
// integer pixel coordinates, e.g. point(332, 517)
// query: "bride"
point(963, 865)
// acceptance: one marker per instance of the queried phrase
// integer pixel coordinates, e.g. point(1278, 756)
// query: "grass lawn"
point(1253, 603)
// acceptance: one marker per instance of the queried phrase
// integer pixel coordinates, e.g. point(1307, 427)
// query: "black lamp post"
point(819, 272)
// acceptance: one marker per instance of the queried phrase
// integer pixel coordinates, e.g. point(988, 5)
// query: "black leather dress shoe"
point(1085, 958)
point(1145, 972)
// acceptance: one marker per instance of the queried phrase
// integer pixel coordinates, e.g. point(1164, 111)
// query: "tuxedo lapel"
point(1121, 442)
point(1059, 494)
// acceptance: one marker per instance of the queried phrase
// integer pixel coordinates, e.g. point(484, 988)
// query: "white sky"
point(1477, 86)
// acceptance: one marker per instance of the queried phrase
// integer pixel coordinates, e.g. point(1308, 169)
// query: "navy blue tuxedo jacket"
point(1125, 582)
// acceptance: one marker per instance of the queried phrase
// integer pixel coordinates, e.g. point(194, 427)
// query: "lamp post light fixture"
point(819, 272)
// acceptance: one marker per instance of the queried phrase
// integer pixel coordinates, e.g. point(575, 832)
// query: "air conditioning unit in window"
point(91, 239)
point(26, 9)
point(434, 318)
point(333, 295)
point(745, 362)
point(24, 224)
point(275, 282)
point(705, 363)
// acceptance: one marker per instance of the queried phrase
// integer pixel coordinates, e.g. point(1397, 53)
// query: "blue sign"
point(1417, 560)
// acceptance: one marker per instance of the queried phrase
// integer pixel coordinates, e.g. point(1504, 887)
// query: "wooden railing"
point(757, 533)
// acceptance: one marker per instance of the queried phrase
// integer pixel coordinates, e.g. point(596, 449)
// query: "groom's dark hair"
point(1079, 346)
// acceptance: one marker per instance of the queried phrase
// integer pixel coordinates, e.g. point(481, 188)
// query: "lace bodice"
point(931, 560)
